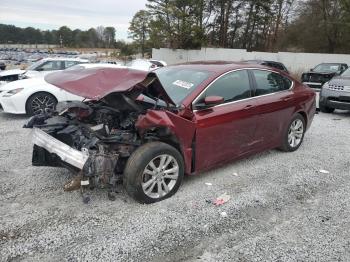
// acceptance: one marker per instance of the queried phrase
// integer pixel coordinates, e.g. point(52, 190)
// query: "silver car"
point(335, 94)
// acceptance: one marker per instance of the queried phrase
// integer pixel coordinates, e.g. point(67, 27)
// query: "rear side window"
point(269, 82)
point(232, 87)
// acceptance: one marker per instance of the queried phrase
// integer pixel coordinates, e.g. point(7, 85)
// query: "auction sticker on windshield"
point(183, 84)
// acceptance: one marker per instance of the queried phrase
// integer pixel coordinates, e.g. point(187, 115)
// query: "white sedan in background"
point(39, 68)
point(146, 64)
point(34, 96)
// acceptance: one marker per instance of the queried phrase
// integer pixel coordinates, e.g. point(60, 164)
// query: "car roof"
point(217, 67)
point(64, 59)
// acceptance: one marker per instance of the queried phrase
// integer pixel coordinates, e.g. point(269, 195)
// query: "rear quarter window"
point(268, 82)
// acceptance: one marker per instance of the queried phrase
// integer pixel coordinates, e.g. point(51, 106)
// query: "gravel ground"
point(281, 208)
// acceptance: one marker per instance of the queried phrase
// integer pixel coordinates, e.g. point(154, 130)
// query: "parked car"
point(35, 96)
point(322, 73)
point(272, 64)
point(146, 65)
point(335, 94)
point(148, 129)
point(2, 66)
point(40, 68)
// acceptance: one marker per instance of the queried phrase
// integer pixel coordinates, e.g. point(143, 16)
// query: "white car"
point(146, 65)
point(34, 96)
point(39, 68)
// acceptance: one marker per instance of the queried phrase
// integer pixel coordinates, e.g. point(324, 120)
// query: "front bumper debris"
point(66, 153)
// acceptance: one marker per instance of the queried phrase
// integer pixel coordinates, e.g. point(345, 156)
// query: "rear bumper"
point(66, 153)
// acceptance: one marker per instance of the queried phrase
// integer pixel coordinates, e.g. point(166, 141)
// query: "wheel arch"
point(304, 115)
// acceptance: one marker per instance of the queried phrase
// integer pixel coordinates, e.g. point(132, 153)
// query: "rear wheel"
point(326, 109)
point(153, 172)
point(40, 103)
point(294, 135)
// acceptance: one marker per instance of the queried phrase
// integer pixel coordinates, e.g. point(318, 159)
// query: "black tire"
point(326, 109)
point(285, 142)
point(134, 170)
point(40, 102)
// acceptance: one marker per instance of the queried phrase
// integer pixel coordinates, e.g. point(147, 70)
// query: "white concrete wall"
point(295, 62)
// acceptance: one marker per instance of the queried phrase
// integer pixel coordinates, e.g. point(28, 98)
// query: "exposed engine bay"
point(104, 130)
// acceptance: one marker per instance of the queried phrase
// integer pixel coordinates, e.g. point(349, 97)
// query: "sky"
point(81, 14)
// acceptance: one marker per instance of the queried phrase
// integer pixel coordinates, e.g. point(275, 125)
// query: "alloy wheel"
point(43, 104)
point(295, 133)
point(160, 176)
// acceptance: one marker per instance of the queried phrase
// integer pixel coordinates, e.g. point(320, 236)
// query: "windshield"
point(346, 73)
point(327, 68)
point(35, 65)
point(179, 83)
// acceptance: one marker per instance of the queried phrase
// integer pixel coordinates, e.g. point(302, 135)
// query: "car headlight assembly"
point(13, 92)
point(22, 76)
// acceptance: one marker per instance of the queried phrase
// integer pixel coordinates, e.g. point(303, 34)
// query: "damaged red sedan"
point(146, 130)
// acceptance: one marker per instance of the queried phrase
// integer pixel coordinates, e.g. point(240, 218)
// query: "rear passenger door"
point(274, 105)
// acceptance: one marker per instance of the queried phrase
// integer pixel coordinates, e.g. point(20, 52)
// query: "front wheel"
point(153, 172)
point(40, 103)
point(294, 135)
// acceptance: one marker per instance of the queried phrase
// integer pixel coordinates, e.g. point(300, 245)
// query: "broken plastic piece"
point(221, 200)
point(223, 214)
point(324, 171)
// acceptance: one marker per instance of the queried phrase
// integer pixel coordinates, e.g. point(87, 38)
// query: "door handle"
point(287, 98)
point(248, 107)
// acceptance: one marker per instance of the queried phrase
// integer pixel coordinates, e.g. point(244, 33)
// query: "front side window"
point(233, 86)
point(50, 66)
point(270, 82)
point(346, 73)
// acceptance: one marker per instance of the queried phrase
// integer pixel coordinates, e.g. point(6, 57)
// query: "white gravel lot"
point(281, 208)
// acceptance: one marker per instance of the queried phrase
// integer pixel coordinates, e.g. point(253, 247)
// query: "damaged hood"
point(97, 83)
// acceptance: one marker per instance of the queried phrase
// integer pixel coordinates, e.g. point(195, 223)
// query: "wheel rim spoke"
point(295, 133)
point(160, 176)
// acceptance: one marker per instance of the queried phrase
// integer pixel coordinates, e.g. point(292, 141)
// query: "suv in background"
point(322, 73)
point(335, 94)
point(272, 64)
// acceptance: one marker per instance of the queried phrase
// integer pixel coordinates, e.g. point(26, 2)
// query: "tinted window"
point(269, 82)
point(232, 87)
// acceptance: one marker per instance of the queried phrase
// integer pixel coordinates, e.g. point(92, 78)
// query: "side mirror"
point(311, 70)
point(213, 100)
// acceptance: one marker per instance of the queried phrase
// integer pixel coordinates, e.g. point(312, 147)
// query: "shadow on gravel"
point(7, 116)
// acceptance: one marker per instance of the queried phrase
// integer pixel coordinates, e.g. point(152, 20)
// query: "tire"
point(298, 133)
point(143, 185)
point(41, 102)
point(326, 109)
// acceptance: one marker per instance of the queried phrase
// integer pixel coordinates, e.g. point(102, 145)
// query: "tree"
point(109, 36)
point(139, 29)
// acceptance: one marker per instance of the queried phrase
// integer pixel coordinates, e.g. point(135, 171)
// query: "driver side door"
point(225, 131)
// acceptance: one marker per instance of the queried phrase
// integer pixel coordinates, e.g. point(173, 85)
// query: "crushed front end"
point(91, 139)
